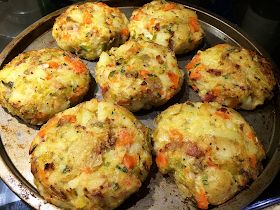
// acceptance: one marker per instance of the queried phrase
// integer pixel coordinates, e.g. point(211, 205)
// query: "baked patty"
point(167, 23)
point(37, 84)
point(90, 28)
point(211, 151)
point(138, 75)
point(232, 76)
point(92, 156)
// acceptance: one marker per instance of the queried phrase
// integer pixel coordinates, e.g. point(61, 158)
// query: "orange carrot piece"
point(216, 91)
point(124, 32)
point(48, 77)
point(161, 160)
point(137, 16)
point(194, 24)
point(195, 75)
point(78, 66)
point(175, 135)
point(250, 135)
point(87, 18)
point(224, 115)
point(51, 123)
point(130, 161)
point(202, 200)
point(174, 78)
point(253, 161)
point(195, 60)
point(144, 73)
point(169, 6)
point(67, 119)
point(124, 138)
point(87, 170)
point(53, 64)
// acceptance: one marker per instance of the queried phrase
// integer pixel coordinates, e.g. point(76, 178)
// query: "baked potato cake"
point(232, 76)
point(138, 75)
point(167, 23)
point(90, 28)
point(92, 156)
point(211, 151)
point(37, 84)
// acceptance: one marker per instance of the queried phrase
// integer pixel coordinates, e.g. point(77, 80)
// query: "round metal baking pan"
point(157, 192)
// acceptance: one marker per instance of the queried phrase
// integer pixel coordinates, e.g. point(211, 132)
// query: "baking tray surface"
point(158, 191)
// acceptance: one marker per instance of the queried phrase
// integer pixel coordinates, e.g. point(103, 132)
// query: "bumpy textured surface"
point(167, 23)
point(90, 28)
point(232, 76)
point(92, 156)
point(138, 75)
point(37, 84)
point(211, 150)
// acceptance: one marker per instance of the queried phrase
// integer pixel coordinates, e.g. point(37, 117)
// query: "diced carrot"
point(66, 37)
point(78, 66)
point(124, 138)
point(216, 91)
point(87, 18)
point(150, 23)
point(130, 161)
point(67, 119)
point(201, 199)
point(124, 32)
point(48, 77)
point(174, 78)
point(144, 73)
point(129, 68)
point(222, 114)
point(194, 88)
point(253, 161)
point(53, 64)
point(175, 135)
point(195, 60)
point(250, 135)
point(194, 24)
point(195, 75)
point(161, 160)
point(51, 123)
point(137, 16)
point(169, 6)
point(87, 170)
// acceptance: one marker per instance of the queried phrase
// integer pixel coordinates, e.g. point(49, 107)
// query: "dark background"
point(258, 18)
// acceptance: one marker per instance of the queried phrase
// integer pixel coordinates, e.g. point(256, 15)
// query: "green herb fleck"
point(204, 179)
point(112, 73)
point(115, 186)
point(85, 48)
point(122, 168)
point(225, 76)
point(66, 169)
point(122, 71)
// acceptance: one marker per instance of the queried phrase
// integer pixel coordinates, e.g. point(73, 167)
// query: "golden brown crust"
point(37, 84)
point(92, 156)
point(211, 150)
point(232, 76)
point(138, 75)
